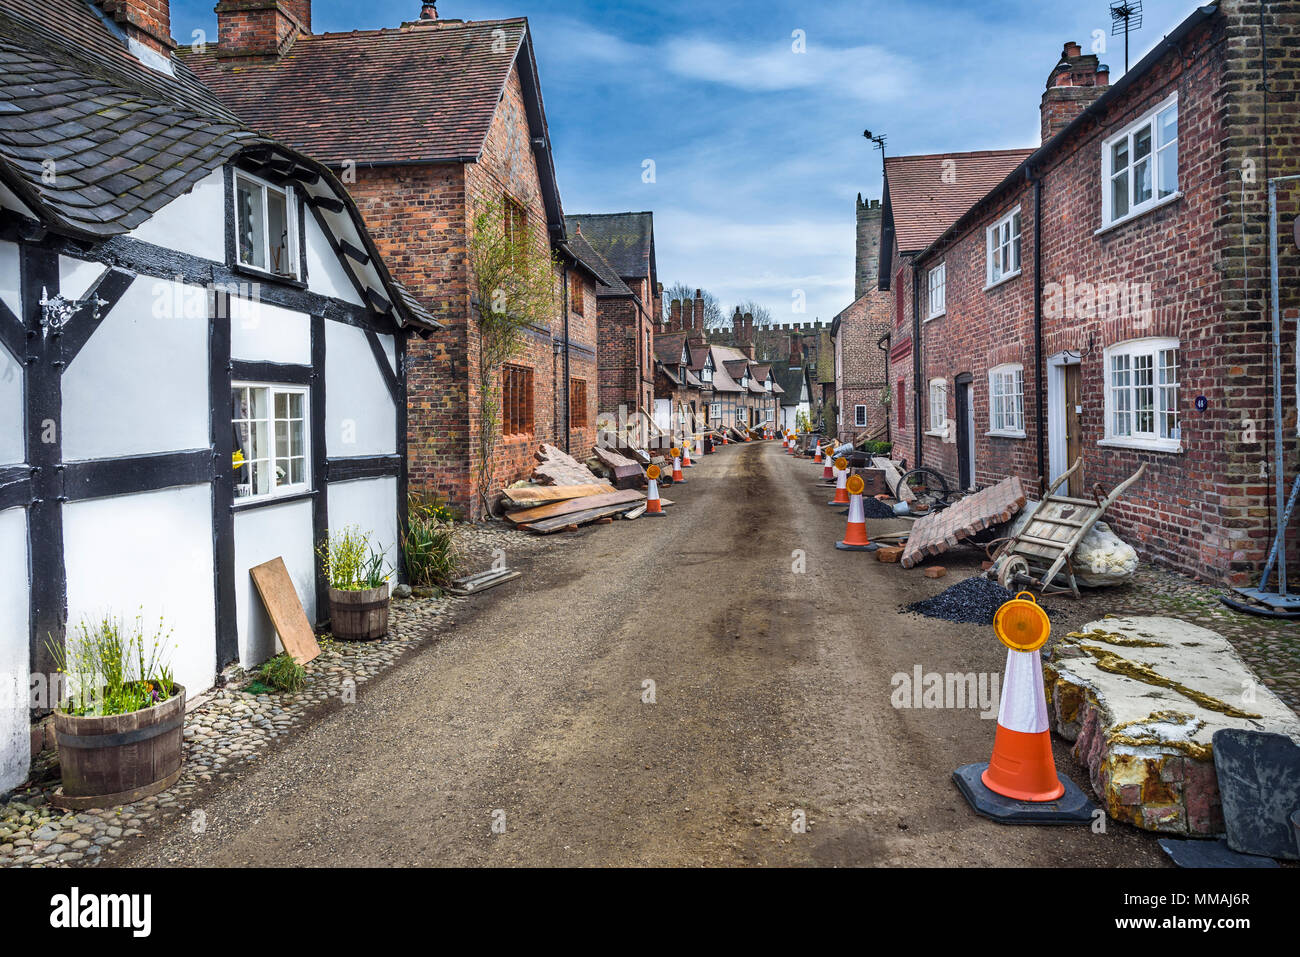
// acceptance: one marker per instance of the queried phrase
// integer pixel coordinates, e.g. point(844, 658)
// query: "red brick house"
point(437, 119)
point(629, 305)
point(861, 365)
point(1101, 300)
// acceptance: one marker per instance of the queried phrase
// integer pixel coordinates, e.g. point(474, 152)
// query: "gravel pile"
point(973, 602)
point(875, 508)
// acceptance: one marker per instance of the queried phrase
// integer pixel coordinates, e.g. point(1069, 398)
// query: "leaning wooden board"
point(558, 509)
point(545, 494)
point(282, 604)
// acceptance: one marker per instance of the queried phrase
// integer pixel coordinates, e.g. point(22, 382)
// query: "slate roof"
point(790, 379)
point(125, 140)
point(626, 240)
point(736, 368)
point(927, 194)
point(668, 347)
point(610, 284)
point(425, 92)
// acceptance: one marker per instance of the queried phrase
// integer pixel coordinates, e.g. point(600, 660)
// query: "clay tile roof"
point(414, 94)
point(927, 194)
point(737, 368)
point(626, 240)
point(699, 355)
point(668, 347)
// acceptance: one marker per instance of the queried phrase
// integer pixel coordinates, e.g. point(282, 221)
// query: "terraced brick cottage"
point(195, 377)
point(629, 308)
point(1104, 297)
point(427, 123)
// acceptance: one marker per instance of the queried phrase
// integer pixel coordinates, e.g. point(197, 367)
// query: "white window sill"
point(1004, 434)
point(937, 315)
point(1007, 278)
point(1138, 214)
point(1173, 446)
point(937, 433)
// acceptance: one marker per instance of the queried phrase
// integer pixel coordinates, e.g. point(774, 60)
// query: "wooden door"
point(1073, 425)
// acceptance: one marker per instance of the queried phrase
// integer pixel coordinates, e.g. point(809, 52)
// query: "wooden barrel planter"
point(359, 615)
point(118, 759)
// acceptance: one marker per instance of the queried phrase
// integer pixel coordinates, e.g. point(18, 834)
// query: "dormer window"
point(266, 226)
point(706, 374)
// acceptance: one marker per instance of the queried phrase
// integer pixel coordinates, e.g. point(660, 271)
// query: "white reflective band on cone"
point(677, 463)
point(841, 478)
point(1024, 703)
point(653, 492)
point(857, 514)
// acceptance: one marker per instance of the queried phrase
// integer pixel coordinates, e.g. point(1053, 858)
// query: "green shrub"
point(113, 667)
point(430, 547)
point(283, 673)
point(351, 562)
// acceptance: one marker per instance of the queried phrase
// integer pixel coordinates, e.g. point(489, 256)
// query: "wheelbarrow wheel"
point(1013, 568)
point(928, 487)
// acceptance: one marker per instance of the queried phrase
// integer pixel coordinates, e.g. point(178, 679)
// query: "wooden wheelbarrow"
point(1045, 546)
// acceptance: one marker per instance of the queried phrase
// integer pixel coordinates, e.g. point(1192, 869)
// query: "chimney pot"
point(429, 11)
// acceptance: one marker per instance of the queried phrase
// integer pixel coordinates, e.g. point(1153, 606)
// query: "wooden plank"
point(574, 506)
point(285, 610)
point(551, 525)
point(545, 494)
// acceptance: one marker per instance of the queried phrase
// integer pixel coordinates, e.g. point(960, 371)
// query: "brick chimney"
point(796, 350)
point(147, 22)
point(675, 315)
point(699, 310)
point(749, 327)
point(260, 29)
point(429, 10)
point(1077, 82)
point(737, 325)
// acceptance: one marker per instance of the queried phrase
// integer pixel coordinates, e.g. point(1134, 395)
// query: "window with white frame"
point(937, 281)
point(1004, 248)
point(938, 406)
point(1007, 401)
point(266, 225)
point(1142, 395)
point(715, 411)
point(860, 416)
point(1140, 165)
point(270, 426)
point(706, 374)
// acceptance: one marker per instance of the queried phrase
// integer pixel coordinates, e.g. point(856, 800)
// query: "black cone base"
point(857, 548)
point(1073, 807)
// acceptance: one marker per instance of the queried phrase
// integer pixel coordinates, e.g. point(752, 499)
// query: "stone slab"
point(1141, 699)
point(1210, 854)
point(1259, 782)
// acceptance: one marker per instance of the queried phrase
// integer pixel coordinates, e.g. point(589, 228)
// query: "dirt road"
point(772, 688)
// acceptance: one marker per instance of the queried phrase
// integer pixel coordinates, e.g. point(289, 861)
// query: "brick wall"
point(259, 28)
point(1205, 509)
point(148, 21)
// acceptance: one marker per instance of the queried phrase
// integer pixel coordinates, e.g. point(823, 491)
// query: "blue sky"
point(758, 150)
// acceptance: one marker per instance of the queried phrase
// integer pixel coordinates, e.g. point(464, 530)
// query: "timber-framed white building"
point(201, 359)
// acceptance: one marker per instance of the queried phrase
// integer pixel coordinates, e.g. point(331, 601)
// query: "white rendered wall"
point(15, 741)
point(148, 554)
point(76, 276)
point(12, 410)
point(371, 505)
point(261, 332)
point(360, 418)
point(261, 534)
point(193, 223)
point(326, 275)
point(140, 384)
point(9, 287)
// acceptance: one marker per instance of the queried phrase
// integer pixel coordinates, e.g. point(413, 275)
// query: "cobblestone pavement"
point(230, 727)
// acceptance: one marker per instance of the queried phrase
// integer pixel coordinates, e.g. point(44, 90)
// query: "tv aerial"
point(1125, 17)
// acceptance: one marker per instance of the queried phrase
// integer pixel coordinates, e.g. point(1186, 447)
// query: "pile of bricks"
point(941, 531)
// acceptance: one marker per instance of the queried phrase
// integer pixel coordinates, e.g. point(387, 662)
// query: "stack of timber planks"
point(566, 497)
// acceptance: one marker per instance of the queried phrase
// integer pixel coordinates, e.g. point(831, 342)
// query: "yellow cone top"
point(675, 451)
point(652, 472)
point(856, 486)
point(1021, 624)
point(841, 463)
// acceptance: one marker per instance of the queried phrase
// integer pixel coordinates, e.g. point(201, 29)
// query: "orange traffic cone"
point(817, 459)
point(785, 442)
point(677, 467)
point(828, 473)
point(841, 483)
point(791, 444)
point(1019, 785)
point(686, 456)
point(1022, 767)
point(855, 535)
point(653, 506)
point(724, 439)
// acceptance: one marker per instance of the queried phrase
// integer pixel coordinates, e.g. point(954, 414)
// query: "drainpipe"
point(916, 361)
point(1039, 379)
